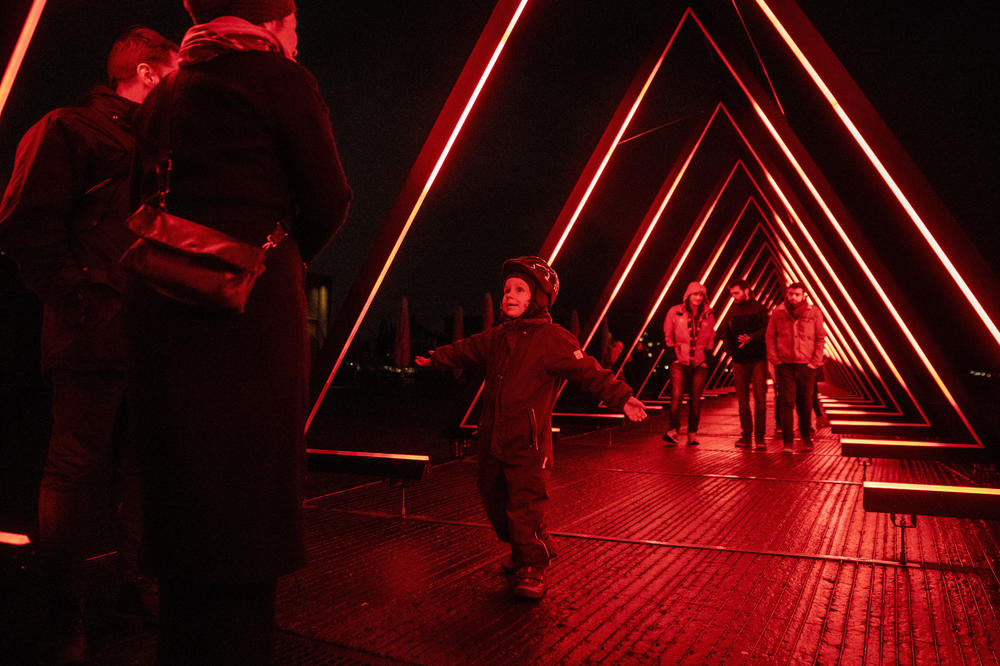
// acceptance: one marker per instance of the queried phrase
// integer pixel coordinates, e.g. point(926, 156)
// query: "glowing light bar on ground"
point(13, 539)
point(958, 490)
point(908, 444)
point(20, 49)
point(883, 172)
point(370, 454)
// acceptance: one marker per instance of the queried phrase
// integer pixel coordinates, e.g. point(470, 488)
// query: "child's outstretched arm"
point(464, 353)
point(570, 362)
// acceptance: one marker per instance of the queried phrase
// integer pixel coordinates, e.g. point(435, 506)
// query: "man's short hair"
point(742, 284)
point(797, 285)
point(137, 45)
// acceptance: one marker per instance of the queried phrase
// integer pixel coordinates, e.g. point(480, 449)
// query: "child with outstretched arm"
point(525, 357)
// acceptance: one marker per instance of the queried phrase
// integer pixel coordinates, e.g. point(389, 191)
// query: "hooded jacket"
point(677, 329)
point(525, 358)
point(796, 340)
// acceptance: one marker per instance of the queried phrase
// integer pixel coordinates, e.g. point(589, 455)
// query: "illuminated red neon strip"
point(837, 337)
point(883, 172)
point(725, 240)
point(614, 144)
point(652, 225)
point(456, 130)
point(820, 283)
point(906, 444)
point(840, 232)
point(20, 49)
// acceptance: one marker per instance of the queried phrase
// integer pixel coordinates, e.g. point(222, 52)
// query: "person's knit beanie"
point(254, 11)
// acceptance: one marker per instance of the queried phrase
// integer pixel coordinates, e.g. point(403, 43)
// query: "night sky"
point(385, 69)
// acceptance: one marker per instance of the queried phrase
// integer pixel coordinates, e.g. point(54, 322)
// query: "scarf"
point(226, 34)
point(796, 312)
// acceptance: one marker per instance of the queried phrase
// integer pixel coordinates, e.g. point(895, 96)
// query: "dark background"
point(386, 68)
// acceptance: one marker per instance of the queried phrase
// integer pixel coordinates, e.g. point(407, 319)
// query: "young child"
point(525, 357)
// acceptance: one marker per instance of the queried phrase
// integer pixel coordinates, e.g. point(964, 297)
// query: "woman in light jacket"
point(688, 334)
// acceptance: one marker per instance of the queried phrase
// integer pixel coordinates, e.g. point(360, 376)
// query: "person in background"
point(526, 357)
point(688, 335)
point(62, 219)
point(222, 397)
point(796, 340)
point(742, 332)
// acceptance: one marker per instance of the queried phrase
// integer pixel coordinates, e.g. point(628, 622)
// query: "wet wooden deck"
point(687, 554)
point(708, 554)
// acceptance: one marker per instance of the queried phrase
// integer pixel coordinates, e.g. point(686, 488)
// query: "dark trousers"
point(213, 623)
point(745, 374)
point(691, 378)
point(796, 384)
point(88, 471)
point(515, 497)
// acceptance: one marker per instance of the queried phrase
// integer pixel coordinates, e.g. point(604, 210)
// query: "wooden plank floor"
point(707, 554)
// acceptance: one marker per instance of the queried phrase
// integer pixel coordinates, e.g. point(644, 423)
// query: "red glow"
point(20, 48)
point(12, 539)
point(884, 173)
point(438, 163)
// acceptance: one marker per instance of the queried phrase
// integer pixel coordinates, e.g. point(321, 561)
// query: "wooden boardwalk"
point(708, 554)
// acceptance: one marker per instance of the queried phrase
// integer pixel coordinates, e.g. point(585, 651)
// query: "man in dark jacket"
point(743, 335)
point(62, 219)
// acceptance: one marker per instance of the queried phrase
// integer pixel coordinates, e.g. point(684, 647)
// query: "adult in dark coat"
point(222, 397)
point(62, 220)
point(742, 331)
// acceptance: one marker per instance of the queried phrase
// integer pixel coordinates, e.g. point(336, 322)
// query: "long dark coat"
point(222, 397)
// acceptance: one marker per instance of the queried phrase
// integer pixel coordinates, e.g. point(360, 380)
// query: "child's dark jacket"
point(524, 360)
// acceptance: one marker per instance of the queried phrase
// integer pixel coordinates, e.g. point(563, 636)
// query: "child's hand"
point(634, 410)
point(422, 361)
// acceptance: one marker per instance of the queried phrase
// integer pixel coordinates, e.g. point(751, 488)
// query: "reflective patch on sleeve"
point(578, 354)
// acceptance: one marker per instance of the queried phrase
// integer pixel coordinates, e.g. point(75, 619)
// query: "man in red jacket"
point(795, 340)
point(526, 356)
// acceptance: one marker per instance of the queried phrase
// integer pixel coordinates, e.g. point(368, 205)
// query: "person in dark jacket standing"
point(796, 339)
point(742, 332)
point(222, 397)
point(62, 219)
point(525, 357)
point(688, 335)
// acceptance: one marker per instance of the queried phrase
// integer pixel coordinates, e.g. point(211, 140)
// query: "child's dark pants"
point(515, 497)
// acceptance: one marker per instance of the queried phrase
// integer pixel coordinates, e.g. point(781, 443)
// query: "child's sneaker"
point(671, 437)
point(530, 583)
point(692, 439)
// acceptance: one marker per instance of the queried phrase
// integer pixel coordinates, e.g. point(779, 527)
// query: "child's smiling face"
point(516, 297)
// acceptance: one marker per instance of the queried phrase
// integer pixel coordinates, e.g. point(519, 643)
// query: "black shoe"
point(743, 442)
point(807, 443)
point(760, 445)
point(670, 437)
point(692, 439)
